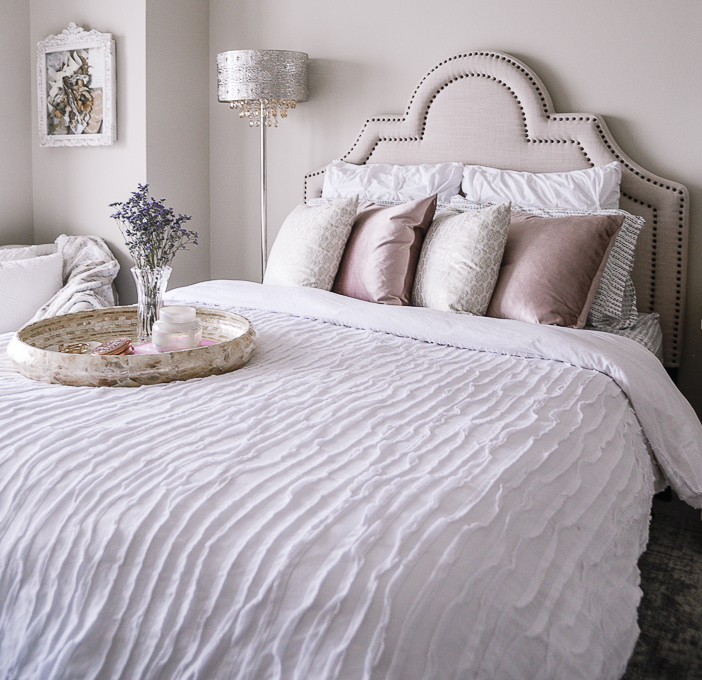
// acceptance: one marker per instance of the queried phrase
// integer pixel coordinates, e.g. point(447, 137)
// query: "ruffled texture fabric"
point(350, 504)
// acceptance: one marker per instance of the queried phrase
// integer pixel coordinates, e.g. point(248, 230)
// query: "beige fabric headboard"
point(488, 108)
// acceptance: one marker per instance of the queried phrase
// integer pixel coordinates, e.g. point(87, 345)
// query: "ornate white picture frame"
point(76, 88)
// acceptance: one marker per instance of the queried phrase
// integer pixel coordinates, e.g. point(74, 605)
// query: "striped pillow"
point(646, 331)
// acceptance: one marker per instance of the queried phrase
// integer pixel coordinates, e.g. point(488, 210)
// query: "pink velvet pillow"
point(552, 266)
point(381, 254)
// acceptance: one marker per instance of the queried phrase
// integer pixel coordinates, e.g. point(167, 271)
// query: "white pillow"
point(26, 285)
point(25, 252)
point(590, 189)
point(460, 260)
point(310, 243)
point(378, 182)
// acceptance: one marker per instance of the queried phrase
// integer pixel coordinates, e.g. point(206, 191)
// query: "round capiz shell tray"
point(234, 335)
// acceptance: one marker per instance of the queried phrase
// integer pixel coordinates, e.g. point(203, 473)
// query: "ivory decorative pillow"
point(460, 260)
point(310, 243)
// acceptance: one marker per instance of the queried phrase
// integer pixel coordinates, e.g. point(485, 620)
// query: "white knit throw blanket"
point(89, 269)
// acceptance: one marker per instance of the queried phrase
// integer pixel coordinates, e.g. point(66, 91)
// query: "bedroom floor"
point(670, 615)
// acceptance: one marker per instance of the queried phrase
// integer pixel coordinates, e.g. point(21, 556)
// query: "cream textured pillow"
point(460, 260)
point(310, 243)
point(26, 285)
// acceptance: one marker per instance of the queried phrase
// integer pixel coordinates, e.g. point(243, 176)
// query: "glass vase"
point(151, 285)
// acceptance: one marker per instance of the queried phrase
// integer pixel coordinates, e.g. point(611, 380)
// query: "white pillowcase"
point(378, 182)
point(25, 286)
point(310, 244)
point(460, 260)
point(25, 252)
point(590, 189)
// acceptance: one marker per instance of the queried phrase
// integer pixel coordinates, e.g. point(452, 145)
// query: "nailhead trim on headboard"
point(557, 142)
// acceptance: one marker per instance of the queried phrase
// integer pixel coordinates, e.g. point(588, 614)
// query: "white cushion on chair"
point(25, 252)
point(25, 285)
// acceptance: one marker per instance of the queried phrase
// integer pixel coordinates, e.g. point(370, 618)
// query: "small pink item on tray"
point(150, 348)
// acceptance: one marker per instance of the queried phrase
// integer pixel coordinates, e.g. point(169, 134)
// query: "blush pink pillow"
point(381, 255)
point(552, 266)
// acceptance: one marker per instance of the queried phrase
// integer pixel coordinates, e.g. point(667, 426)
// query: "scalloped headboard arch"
point(488, 108)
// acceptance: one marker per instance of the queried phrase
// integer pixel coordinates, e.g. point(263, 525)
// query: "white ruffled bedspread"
point(353, 503)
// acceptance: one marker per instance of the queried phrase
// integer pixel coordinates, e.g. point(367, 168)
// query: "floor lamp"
point(263, 85)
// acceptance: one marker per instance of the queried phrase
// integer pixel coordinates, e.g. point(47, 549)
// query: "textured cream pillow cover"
point(460, 260)
point(310, 244)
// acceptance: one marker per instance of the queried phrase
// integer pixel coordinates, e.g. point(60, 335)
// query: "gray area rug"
point(670, 614)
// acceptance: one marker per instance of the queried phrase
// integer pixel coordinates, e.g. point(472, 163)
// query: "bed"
point(384, 490)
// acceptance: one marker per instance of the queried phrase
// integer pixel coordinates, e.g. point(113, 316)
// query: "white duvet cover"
point(380, 493)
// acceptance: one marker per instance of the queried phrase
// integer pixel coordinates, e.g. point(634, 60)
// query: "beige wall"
point(177, 122)
point(16, 223)
point(636, 62)
point(162, 128)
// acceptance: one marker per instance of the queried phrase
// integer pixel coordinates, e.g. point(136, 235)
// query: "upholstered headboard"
point(488, 108)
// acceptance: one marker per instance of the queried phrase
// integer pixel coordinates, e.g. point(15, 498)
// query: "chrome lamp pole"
point(263, 85)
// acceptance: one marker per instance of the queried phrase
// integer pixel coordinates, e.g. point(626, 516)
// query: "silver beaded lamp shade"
point(262, 85)
point(262, 74)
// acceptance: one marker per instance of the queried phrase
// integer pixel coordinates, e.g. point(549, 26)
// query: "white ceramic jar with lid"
point(176, 328)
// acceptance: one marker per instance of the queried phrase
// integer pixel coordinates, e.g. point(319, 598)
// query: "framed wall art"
point(76, 88)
